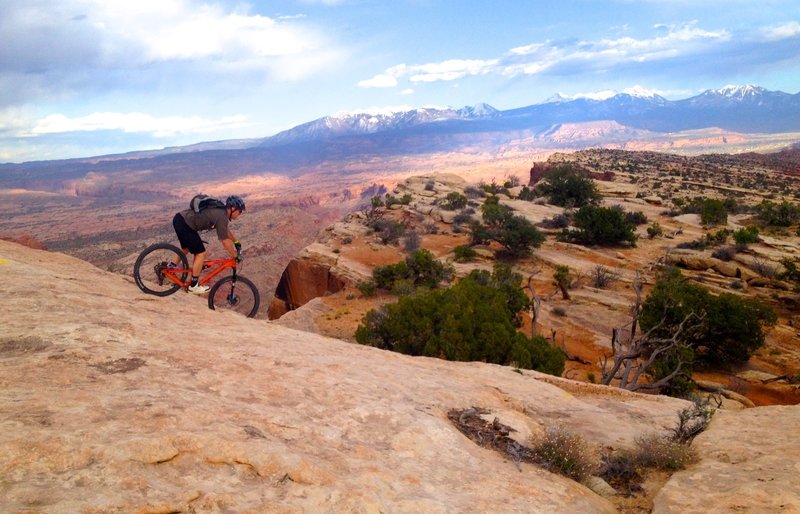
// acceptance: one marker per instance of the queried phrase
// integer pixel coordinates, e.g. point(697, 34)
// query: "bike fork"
point(232, 294)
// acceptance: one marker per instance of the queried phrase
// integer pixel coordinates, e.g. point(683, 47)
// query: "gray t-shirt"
point(208, 219)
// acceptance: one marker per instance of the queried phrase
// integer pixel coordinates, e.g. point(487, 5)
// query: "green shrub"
point(791, 272)
point(367, 288)
point(720, 237)
point(464, 253)
point(420, 267)
point(424, 269)
point(746, 236)
point(403, 286)
point(601, 226)
point(518, 235)
point(515, 233)
point(567, 187)
point(636, 217)
point(453, 201)
point(558, 221)
point(655, 230)
point(376, 202)
point(389, 231)
point(385, 276)
point(495, 188)
point(527, 194)
point(480, 234)
point(495, 214)
point(781, 215)
point(505, 280)
point(467, 322)
point(391, 200)
point(713, 212)
point(729, 332)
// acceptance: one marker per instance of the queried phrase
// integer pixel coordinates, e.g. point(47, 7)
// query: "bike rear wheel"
point(149, 266)
point(240, 296)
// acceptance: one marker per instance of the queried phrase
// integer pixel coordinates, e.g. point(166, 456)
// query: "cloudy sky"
point(90, 77)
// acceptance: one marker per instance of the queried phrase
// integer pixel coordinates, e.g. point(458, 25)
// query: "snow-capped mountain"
point(739, 92)
point(746, 109)
point(345, 124)
point(733, 96)
point(634, 92)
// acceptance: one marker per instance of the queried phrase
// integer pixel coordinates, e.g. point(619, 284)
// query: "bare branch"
point(634, 356)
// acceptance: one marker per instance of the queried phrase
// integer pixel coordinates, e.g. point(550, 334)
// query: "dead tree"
point(633, 357)
point(536, 303)
point(637, 307)
point(373, 211)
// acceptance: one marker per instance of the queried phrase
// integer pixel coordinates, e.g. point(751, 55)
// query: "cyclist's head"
point(235, 202)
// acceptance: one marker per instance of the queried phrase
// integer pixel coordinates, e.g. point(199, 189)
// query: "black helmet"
point(235, 202)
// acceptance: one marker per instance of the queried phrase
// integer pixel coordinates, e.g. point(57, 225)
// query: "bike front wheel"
point(148, 271)
point(239, 296)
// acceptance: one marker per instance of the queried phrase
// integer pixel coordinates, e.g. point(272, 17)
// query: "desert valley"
point(298, 416)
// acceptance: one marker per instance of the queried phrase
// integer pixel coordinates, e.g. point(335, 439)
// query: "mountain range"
point(635, 119)
point(747, 109)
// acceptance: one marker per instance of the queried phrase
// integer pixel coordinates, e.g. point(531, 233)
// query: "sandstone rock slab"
point(756, 471)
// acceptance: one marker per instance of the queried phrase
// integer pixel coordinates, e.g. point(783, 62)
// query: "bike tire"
point(246, 297)
point(146, 272)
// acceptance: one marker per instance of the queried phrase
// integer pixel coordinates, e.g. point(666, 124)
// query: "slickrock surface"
point(115, 401)
point(750, 462)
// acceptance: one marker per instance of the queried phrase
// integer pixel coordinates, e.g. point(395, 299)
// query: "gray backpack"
point(201, 202)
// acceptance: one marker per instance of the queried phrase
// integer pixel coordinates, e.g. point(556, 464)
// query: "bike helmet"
point(235, 202)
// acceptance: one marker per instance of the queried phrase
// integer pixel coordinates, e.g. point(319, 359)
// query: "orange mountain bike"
point(155, 273)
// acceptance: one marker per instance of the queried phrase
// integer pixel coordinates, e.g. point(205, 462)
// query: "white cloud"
point(432, 72)
point(180, 29)
point(527, 49)
point(132, 122)
point(57, 48)
point(451, 69)
point(782, 31)
point(538, 58)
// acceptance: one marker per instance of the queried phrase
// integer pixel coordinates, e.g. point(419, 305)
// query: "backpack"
point(201, 202)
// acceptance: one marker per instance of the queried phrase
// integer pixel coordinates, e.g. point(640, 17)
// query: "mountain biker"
point(188, 223)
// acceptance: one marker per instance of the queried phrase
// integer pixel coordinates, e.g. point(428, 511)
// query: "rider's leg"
point(197, 266)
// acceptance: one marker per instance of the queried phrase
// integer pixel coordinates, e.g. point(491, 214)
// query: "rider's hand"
point(238, 246)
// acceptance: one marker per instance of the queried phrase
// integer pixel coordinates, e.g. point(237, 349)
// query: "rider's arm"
point(228, 244)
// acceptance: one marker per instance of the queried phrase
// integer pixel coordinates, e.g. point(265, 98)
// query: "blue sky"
point(91, 77)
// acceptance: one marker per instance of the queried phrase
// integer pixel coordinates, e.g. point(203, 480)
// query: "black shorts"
point(188, 237)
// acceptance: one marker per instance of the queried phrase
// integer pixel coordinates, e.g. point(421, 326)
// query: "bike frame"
point(211, 269)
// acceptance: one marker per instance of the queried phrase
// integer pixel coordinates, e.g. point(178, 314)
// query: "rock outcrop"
point(319, 271)
point(310, 275)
